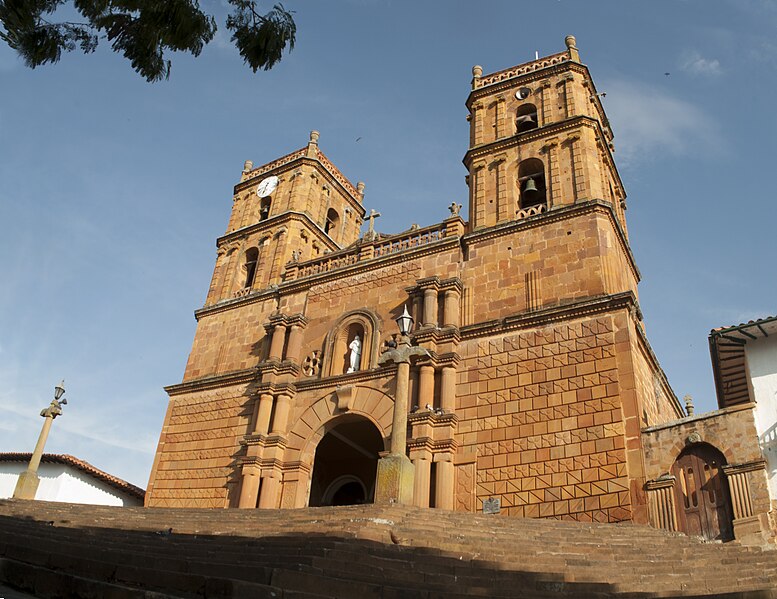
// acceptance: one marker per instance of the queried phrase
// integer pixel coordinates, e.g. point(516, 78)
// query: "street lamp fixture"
point(405, 322)
point(59, 391)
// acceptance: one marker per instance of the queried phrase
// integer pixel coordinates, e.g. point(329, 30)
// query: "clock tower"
point(292, 209)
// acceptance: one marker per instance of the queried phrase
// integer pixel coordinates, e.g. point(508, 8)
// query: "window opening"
point(526, 118)
point(252, 256)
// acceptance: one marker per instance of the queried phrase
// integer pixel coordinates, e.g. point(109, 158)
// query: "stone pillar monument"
point(28, 482)
point(395, 477)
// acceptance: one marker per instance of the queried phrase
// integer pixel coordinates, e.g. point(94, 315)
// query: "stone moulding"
point(539, 67)
point(217, 381)
point(278, 221)
point(529, 320)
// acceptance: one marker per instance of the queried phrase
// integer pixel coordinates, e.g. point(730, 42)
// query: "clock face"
point(267, 186)
point(523, 93)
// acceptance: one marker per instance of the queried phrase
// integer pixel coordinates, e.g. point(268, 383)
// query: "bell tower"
point(294, 208)
point(539, 140)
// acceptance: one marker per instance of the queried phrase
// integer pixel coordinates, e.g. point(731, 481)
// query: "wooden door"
point(701, 494)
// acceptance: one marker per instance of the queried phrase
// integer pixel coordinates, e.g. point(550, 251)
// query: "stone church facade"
point(537, 377)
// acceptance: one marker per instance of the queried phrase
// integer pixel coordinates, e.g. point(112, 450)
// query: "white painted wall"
point(761, 355)
point(62, 482)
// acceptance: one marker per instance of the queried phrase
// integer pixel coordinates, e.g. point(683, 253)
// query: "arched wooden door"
point(701, 493)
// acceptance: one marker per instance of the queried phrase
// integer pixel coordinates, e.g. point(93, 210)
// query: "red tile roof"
point(85, 467)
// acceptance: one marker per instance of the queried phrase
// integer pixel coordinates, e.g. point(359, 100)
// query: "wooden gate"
point(701, 493)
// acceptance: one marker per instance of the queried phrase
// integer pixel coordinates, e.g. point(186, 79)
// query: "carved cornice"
point(273, 367)
point(277, 388)
point(535, 70)
point(436, 335)
point(660, 483)
point(266, 441)
point(505, 143)
point(753, 466)
point(536, 318)
point(432, 445)
point(360, 376)
point(237, 377)
point(276, 221)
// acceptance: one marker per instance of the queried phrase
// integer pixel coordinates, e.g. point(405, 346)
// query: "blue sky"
point(112, 190)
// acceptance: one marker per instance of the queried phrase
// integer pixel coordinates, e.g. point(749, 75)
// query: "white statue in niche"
point(356, 354)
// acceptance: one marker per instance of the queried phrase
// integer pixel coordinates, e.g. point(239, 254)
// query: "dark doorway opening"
point(346, 462)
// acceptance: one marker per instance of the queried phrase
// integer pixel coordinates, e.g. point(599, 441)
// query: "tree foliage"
point(142, 31)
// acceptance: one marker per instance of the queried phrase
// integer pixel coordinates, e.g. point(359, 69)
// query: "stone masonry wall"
point(196, 453)
point(541, 410)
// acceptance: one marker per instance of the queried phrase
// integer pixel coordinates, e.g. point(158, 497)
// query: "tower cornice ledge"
point(237, 377)
point(276, 221)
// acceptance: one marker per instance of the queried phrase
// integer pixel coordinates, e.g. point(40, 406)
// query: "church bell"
point(530, 191)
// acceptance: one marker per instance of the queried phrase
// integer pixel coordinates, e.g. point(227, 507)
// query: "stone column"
point(660, 494)
point(263, 413)
point(277, 342)
point(505, 210)
point(451, 308)
point(499, 115)
point(394, 480)
point(430, 307)
point(423, 471)
point(399, 421)
point(28, 481)
point(250, 489)
point(280, 421)
point(740, 495)
point(270, 495)
point(750, 527)
point(448, 389)
point(295, 343)
point(443, 497)
point(426, 385)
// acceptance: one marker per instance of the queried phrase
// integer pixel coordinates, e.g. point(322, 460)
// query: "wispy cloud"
point(694, 63)
point(649, 122)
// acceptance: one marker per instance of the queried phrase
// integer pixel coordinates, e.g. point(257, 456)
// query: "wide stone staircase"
point(364, 552)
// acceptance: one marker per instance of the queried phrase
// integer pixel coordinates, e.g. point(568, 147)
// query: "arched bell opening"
point(332, 223)
point(526, 118)
point(346, 462)
point(531, 179)
point(264, 208)
point(702, 497)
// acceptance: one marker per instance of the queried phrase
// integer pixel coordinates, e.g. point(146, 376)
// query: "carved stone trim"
point(213, 382)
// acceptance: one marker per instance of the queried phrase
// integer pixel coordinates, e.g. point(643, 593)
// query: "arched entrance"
point(701, 493)
point(346, 462)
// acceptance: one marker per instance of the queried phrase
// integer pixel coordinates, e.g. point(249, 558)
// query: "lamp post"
point(395, 475)
point(28, 482)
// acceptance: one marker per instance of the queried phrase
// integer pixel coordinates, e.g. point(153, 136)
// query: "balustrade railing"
point(366, 250)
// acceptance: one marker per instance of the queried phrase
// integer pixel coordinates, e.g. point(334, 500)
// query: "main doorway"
point(701, 493)
point(346, 462)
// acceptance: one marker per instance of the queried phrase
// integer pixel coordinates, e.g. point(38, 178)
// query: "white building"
point(744, 362)
point(66, 478)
